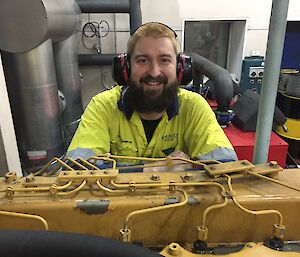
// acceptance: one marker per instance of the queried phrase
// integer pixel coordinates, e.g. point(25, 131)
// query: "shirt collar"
point(124, 106)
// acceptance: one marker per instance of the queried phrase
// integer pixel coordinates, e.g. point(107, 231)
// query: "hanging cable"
point(93, 29)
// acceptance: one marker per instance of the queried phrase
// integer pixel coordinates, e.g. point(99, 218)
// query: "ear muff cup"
point(184, 68)
point(121, 69)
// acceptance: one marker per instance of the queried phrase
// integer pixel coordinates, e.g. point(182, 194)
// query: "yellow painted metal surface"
point(241, 205)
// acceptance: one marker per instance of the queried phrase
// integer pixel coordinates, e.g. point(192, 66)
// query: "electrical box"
point(252, 73)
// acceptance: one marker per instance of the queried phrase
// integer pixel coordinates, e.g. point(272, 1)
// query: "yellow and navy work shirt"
point(108, 125)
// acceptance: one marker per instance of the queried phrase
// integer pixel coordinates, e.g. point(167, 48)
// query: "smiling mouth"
point(153, 83)
point(148, 80)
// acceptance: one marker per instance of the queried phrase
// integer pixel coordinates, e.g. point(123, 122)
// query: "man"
point(151, 116)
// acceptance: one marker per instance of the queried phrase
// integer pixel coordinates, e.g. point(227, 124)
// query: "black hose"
point(54, 244)
point(221, 78)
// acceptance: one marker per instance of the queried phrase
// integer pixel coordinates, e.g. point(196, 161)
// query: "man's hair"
point(155, 30)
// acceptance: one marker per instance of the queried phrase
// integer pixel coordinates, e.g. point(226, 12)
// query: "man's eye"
point(165, 60)
point(141, 61)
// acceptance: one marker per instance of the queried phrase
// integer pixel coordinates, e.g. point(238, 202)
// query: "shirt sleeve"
point(204, 137)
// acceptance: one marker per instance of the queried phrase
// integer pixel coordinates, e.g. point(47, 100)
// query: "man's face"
point(153, 78)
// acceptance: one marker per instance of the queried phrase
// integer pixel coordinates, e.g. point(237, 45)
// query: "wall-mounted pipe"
point(221, 78)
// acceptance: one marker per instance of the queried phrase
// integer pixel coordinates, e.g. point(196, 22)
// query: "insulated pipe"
point(220, 77)
point(25, 25)
point(32, 75)
point(104, 6)
point(34, 101)
point(265, 115)
point(69, 83)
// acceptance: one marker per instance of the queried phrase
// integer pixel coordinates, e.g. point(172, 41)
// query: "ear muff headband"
point(175, 35)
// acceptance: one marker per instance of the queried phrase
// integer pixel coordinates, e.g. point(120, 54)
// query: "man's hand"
point(178, 165)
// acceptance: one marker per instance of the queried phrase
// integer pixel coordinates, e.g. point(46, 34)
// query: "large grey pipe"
point(220, 77)
point(69, 83)
point(266, 109)
point(25, 27)
point(34, 101)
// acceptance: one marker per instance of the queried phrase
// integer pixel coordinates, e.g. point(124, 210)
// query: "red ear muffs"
point(121, 69)
point(184, 68)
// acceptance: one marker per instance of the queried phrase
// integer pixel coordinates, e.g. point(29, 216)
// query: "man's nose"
point(154, 69)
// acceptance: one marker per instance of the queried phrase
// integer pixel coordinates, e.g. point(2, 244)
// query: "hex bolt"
point(174, 249)
point(155, 177)
point(273, 164)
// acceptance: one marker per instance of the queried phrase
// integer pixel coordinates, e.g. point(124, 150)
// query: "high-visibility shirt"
point(190, 126)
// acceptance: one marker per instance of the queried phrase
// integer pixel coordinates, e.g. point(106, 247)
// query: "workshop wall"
point(173, 13)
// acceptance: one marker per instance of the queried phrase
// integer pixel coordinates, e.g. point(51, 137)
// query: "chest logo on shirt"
point(169, 137)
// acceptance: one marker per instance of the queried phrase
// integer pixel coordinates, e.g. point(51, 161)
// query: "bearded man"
point(150, 116)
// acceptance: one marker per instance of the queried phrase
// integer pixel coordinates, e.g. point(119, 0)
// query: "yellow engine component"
point(221, 204)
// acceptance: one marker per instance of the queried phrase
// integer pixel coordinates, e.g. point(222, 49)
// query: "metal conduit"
point(266, 109)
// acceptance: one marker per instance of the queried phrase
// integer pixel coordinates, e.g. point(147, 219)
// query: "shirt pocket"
point(123, 148)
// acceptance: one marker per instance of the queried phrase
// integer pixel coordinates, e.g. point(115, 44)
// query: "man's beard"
point(144, 102)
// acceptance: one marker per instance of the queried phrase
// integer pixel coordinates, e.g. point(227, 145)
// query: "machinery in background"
point(288, 100)
point(252, 73)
